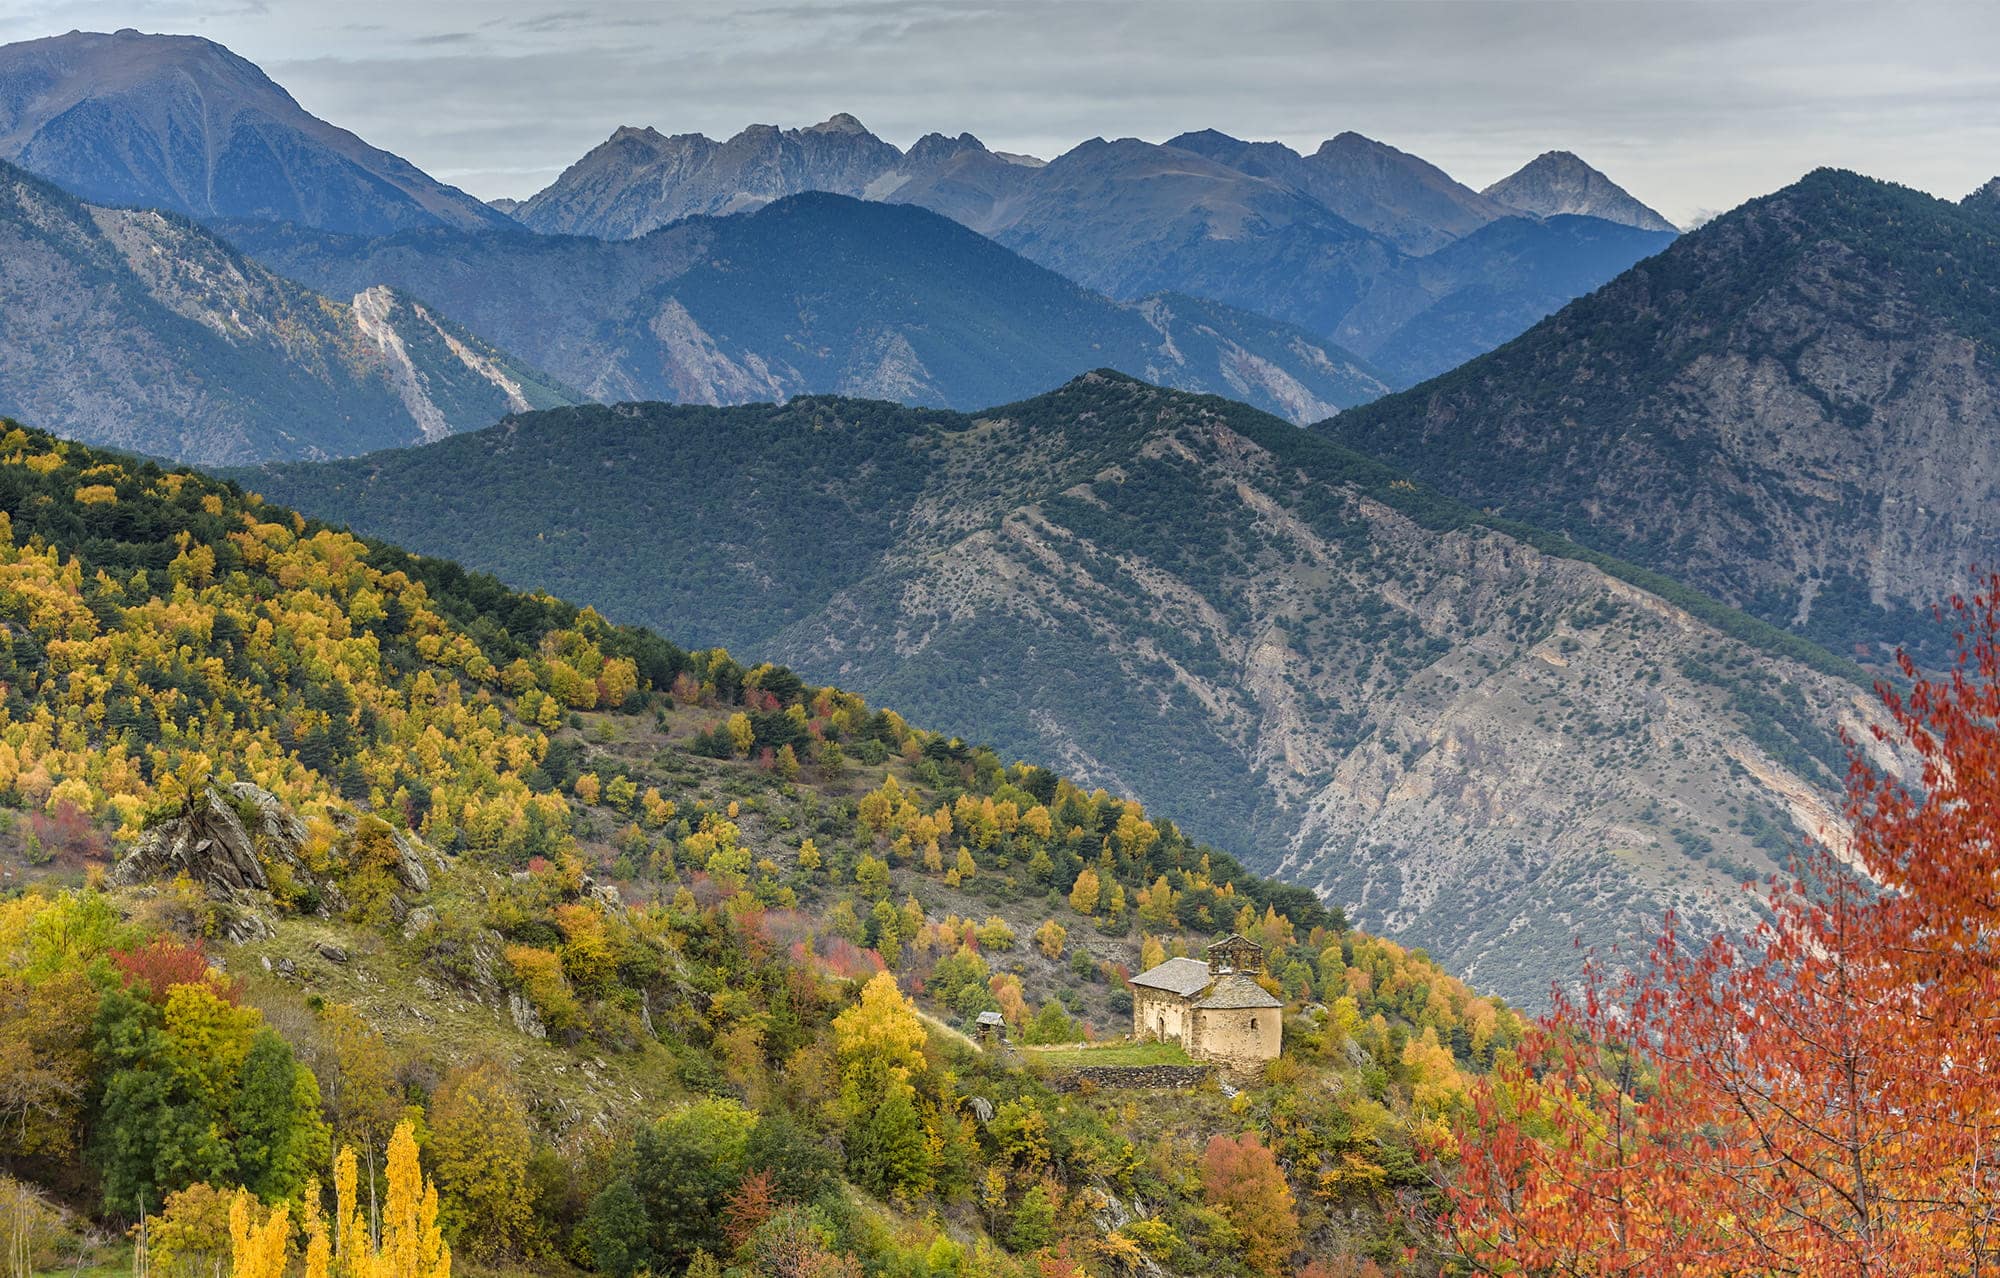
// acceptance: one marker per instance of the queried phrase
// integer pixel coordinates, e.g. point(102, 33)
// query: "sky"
point(1693, 107)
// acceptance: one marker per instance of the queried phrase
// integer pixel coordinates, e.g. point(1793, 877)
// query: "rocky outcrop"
point(230, 841)
point(221, 842)
point(207, 842)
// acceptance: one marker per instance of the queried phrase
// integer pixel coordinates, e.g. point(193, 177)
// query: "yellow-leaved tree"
point(257, 1247)
point(412, 1243)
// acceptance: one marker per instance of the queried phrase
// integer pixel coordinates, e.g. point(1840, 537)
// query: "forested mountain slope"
point(181, 123)
point(1795, 408)
point(818, 293)
point(665, 954)
point(141, 329)
point(1469, 734)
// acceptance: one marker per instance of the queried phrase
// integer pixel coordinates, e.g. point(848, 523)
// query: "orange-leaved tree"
point(1821, 1097)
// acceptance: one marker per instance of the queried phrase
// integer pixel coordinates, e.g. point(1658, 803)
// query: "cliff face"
point(142, 330)
point(1793, 408)
point(1476, 743)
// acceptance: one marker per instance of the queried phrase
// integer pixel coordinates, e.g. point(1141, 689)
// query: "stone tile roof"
point(1234, 990)
point(1183, 976)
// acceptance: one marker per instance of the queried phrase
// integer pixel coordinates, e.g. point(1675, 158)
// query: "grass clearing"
point(1078, 1055)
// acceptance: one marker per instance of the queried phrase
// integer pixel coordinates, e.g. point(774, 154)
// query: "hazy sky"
point(1691, 106)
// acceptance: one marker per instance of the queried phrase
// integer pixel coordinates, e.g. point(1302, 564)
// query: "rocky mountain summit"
point(639, 179)
point(143, 330)
point(182, 124)
point(1558, 182)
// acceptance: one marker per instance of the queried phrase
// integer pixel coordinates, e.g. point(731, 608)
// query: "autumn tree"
point(1050, 938)
point(480, 1147)
point(258, 1240)
point(1240, 1178)
point(878, 1045)
point(1083, 893)
point(45, 1029)
point(410, 1244)
point(1822, 1097)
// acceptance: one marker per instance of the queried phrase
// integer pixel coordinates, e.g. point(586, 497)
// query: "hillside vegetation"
point(1760, 411)
point(1476, 736)
point(660, 954)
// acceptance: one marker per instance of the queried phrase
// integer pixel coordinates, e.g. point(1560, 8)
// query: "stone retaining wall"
point(1151, 1076)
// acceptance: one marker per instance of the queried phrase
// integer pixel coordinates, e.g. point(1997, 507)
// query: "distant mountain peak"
point(839, 122)
point(1986, 199)
point(1349, 140)
point(933, 149)
point(1558, 182)
point(181, 123)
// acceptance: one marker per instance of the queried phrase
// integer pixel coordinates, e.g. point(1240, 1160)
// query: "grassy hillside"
point(599, 911)
point(1311, 660)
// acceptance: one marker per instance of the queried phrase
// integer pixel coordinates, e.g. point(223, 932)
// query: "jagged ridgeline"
point(605, 910)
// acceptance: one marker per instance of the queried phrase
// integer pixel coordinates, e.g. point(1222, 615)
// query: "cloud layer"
point(1692, 106)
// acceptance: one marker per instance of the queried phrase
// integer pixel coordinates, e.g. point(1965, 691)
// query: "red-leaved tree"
point(1820, 1098)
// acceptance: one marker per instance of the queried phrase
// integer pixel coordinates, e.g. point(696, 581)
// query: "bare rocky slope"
point(142, 330)
point(1795, 408)
point(181, 123)
point(1475, 737)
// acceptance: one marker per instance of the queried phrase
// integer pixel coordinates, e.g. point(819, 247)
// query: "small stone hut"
point(1215, 1010)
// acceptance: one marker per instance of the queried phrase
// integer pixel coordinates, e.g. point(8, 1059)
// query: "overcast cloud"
point(1693, 107)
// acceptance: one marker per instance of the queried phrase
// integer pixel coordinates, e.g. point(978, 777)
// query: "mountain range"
point(816, 293)
point(1791, 409)
point(1480, 739)
point(1303, 284)
point(1346, 242)
point(142, 330)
